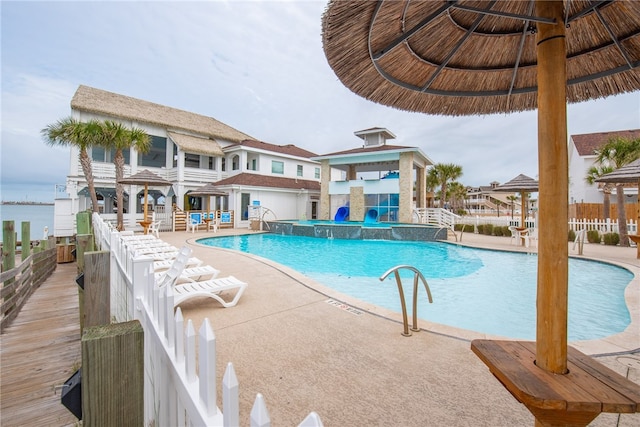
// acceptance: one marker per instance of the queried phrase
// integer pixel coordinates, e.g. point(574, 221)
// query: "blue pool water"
point(482, 290)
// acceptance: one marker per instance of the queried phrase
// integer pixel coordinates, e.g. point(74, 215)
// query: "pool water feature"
point(482, 290)
point(358, 230)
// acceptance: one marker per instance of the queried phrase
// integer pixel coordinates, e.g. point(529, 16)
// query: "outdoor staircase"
point(179, 219)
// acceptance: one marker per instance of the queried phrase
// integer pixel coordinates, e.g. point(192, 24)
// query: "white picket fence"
point(180, 386)
point(603, 226)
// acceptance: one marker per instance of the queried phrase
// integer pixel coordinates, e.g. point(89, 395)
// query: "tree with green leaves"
point(512, 200)
point(616, 153)
point(118, 137)
point(442, 174)
point(457, 193)
point(82, 135)
point(594, 173)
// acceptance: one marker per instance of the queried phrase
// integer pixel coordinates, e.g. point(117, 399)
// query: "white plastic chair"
point(195, 219)
point(154, 227)
point(213, 222)
point(515, 234)
point(530, 235)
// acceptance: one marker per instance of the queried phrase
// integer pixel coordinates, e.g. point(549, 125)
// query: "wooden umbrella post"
point(553, 253)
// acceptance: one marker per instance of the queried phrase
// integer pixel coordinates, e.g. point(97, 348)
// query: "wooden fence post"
point(113, 375)
point(26, 240)
point(8, 245)
point(97, 293)
point(84, 243)
point(83, 222)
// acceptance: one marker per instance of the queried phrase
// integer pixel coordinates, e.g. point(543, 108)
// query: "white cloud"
point(257, 66)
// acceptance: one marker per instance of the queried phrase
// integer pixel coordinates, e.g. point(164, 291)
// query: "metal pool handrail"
point(417, 274)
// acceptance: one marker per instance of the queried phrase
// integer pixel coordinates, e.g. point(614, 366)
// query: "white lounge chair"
point(211, 289)
point(207, 288)
point(165, 264)
point(189, 274)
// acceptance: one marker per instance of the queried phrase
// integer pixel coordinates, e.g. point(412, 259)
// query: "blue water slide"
point(342, 214)
point(371, 216)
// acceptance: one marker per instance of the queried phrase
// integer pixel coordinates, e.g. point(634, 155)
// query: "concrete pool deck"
point(307, 348)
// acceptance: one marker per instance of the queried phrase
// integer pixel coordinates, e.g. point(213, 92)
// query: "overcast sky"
point(256, 66)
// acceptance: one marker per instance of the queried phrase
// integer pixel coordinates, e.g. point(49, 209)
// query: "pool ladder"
point(416, 275)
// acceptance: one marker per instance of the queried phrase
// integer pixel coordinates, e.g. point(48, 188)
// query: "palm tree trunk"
point(118, 160)
point(85, 162)
point(622, 217)
point(606, 204)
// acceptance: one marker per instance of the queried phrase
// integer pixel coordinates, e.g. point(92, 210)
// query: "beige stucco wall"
point(356, 204)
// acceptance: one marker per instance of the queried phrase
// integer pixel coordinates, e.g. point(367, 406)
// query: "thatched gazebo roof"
point(208, 190)
point(628, 173)
point(476, 56)
point(519, 183)
point(144, 177)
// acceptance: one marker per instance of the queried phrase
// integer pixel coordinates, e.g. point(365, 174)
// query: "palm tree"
point(513, 199)
point(118, 137)
point(594, 173)
point(83, 135)
point(457, 195)
point(432, 183)
point(616, 153)
point(442, 173)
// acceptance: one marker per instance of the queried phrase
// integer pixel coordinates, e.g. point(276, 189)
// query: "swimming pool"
point(476, 289)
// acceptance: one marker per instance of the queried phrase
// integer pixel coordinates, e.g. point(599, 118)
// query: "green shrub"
point(611, 239)
point(497, 231)
point(488, 229)
point(593, 236)
point(506, 231)
point(572, 236)
point(480, 228)
point(463, 227)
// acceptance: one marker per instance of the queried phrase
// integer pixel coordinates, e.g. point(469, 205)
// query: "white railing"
point(436, 216)
point(180, 385)
point(602, 225)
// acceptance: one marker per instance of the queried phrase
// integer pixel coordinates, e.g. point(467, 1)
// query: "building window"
point(317, 173)
point(235, 163)
point(212, 163)
point(99, 154)
point(299, 170)
point(156, 157)
point(277, 167)
point(224, 164)
point(191, 160)
point(252, 165)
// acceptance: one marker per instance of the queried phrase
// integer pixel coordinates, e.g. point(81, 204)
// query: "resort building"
point(189, 150)
point(381, 182)
point(582, 155)
point(484, 200)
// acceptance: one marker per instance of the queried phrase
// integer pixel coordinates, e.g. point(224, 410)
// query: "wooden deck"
point(41, 350)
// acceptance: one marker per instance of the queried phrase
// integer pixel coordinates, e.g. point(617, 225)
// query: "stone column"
point(325, 200)
point(406, 187)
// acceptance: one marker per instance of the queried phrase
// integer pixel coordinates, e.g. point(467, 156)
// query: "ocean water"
point(39, 217)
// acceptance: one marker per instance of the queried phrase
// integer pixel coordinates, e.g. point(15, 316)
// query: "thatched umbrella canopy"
point(476, 56)
point(145, 178)
point(628, 173)
point(207, 191)
point(465, 57)
point(523, 185)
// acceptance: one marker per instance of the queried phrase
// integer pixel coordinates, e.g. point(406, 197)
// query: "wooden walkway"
point(41, 350)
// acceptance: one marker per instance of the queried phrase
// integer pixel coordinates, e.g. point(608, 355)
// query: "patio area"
point(307, 348)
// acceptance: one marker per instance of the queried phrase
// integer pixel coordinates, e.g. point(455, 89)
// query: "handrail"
point(417, 274)
point(263, 212)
